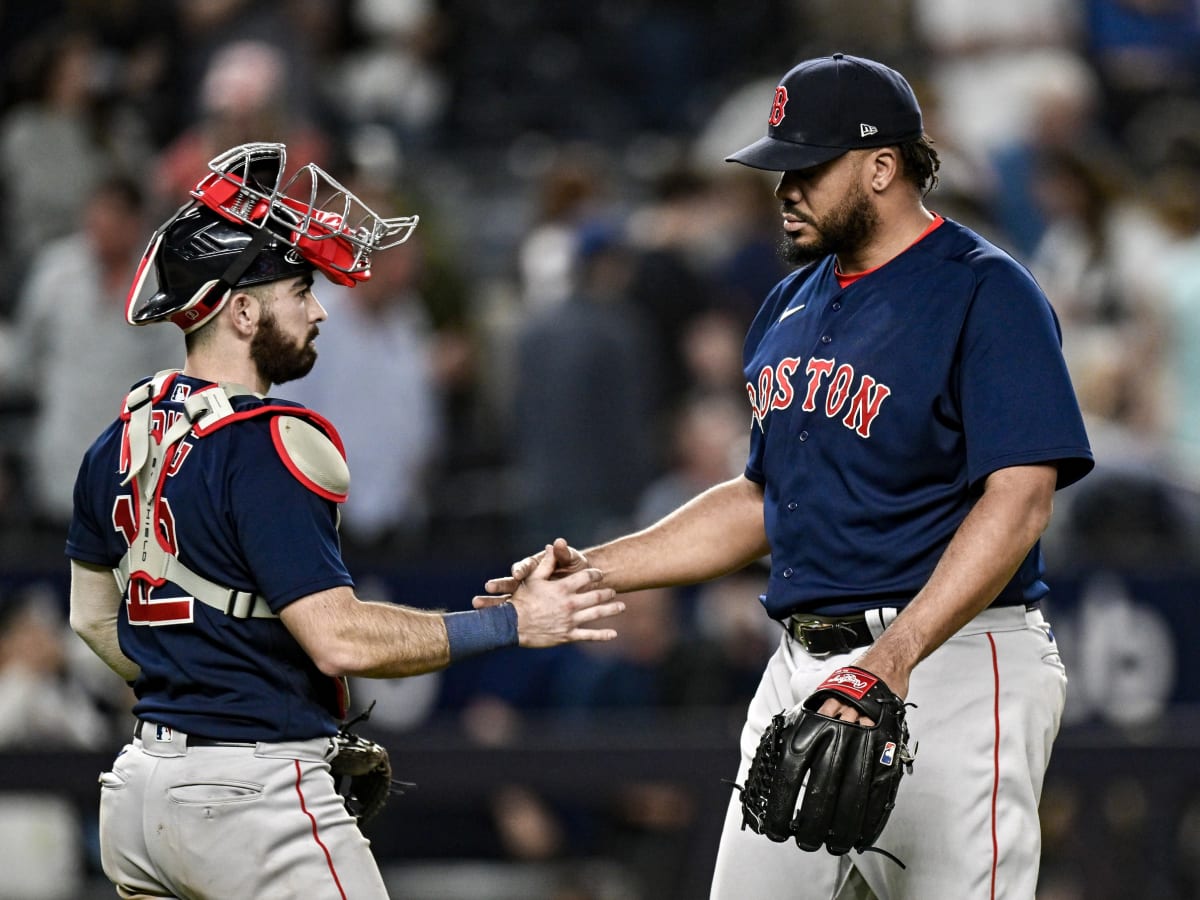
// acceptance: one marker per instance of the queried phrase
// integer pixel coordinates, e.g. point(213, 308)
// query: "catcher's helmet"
point(196, 263)
point(242, 227)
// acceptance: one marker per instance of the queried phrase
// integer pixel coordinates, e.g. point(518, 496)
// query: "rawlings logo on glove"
point(847, 770)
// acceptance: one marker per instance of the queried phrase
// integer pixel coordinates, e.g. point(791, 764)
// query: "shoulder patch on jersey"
point(312, 456)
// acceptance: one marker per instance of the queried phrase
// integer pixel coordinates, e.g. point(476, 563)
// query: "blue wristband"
point(480, 630)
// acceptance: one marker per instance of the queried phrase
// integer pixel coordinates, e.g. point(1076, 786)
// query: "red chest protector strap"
point(308, 445)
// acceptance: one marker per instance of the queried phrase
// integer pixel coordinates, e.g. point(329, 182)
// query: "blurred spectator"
point(568, 194)
point(1181, 363)
point(740, 229)
point(1093, 261)
point(1143, 50)
point(669, 285)
point(873, 28)
point(137, 43)
point(74, 350)
point(393, 80)
point(985, 59)
point(661, 662)
point(378, 338)
point(1107, 263)
point(300, 32)
point(1065, 109)
point(708, 444)
point(712, 353)
point(586, 381)
point(41, 704)
point(737, 120)
point(58, 142)
point(728, 615)
point(245, 95)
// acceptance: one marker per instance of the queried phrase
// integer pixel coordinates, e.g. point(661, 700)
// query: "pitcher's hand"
point(553, 607)
point(567, 561)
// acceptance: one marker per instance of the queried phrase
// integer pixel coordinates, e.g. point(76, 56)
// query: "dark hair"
point(193, 340)
point(920, 163)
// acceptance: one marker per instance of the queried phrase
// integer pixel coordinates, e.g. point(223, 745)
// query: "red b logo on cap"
point(777, 106)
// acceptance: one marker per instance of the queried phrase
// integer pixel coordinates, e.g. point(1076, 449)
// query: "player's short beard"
point(276, 355)
point(845, 230)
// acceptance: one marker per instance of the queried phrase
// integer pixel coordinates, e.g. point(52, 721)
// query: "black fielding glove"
point(850, 772)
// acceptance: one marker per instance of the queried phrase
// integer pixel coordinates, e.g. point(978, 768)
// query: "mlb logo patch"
point(889, 754)
point(163, 734)
point(181, 392)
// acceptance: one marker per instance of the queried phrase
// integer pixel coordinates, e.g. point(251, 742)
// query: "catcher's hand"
point(853, 771)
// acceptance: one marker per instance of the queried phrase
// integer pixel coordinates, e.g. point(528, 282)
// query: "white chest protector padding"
point(311, 456)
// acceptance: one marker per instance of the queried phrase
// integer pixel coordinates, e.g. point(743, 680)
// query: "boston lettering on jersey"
point(825, 385)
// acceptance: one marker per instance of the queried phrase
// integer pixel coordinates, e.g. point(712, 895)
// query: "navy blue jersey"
point(239, 517)
point(879, 409)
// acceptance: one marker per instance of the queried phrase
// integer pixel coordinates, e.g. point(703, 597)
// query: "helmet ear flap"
point(205, 303)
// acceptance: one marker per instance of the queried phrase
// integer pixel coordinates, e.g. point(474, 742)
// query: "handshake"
point(556, 596)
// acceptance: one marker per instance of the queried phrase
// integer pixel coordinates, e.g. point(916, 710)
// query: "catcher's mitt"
point(362, 772)
point(853, 771)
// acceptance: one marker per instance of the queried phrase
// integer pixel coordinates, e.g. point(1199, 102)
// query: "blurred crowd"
point(557, 350)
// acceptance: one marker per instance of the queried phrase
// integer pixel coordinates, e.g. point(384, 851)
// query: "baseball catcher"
point(850, 772)
point(207, 568)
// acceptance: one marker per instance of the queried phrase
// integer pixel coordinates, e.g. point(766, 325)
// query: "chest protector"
point(307, 444)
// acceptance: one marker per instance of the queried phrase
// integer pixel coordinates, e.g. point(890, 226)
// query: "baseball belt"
point(825, 635)
point(193, 740)
point(822, 636)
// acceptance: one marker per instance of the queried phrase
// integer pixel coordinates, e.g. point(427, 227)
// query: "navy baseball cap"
point(827, 106)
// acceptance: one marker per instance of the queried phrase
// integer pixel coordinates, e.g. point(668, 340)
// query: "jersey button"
point(804, 435)
point(793, 505)
point(787, 573)
point(825, 339)
point(836, 305)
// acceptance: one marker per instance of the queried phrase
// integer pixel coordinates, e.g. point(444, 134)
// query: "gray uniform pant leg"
point(988, 706)
point(261, 821)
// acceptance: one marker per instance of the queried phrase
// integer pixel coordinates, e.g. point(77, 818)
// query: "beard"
point(276, 355)
point(845, 230)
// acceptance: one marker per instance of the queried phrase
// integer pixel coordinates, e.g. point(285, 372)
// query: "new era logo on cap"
point(826, 106)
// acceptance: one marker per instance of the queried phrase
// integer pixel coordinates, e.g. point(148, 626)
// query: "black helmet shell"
point(198, 250)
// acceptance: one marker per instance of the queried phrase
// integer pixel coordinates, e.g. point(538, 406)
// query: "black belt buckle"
point(821, 639)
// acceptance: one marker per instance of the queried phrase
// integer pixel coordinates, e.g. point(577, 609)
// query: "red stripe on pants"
point(995, 760)
point(316, 834)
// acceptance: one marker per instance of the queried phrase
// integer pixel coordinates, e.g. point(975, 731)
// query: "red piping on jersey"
point(995, 760)
point(162, 392)
point(300, 411)
point(316, 835)
point(844, 281)
point(295, 470)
